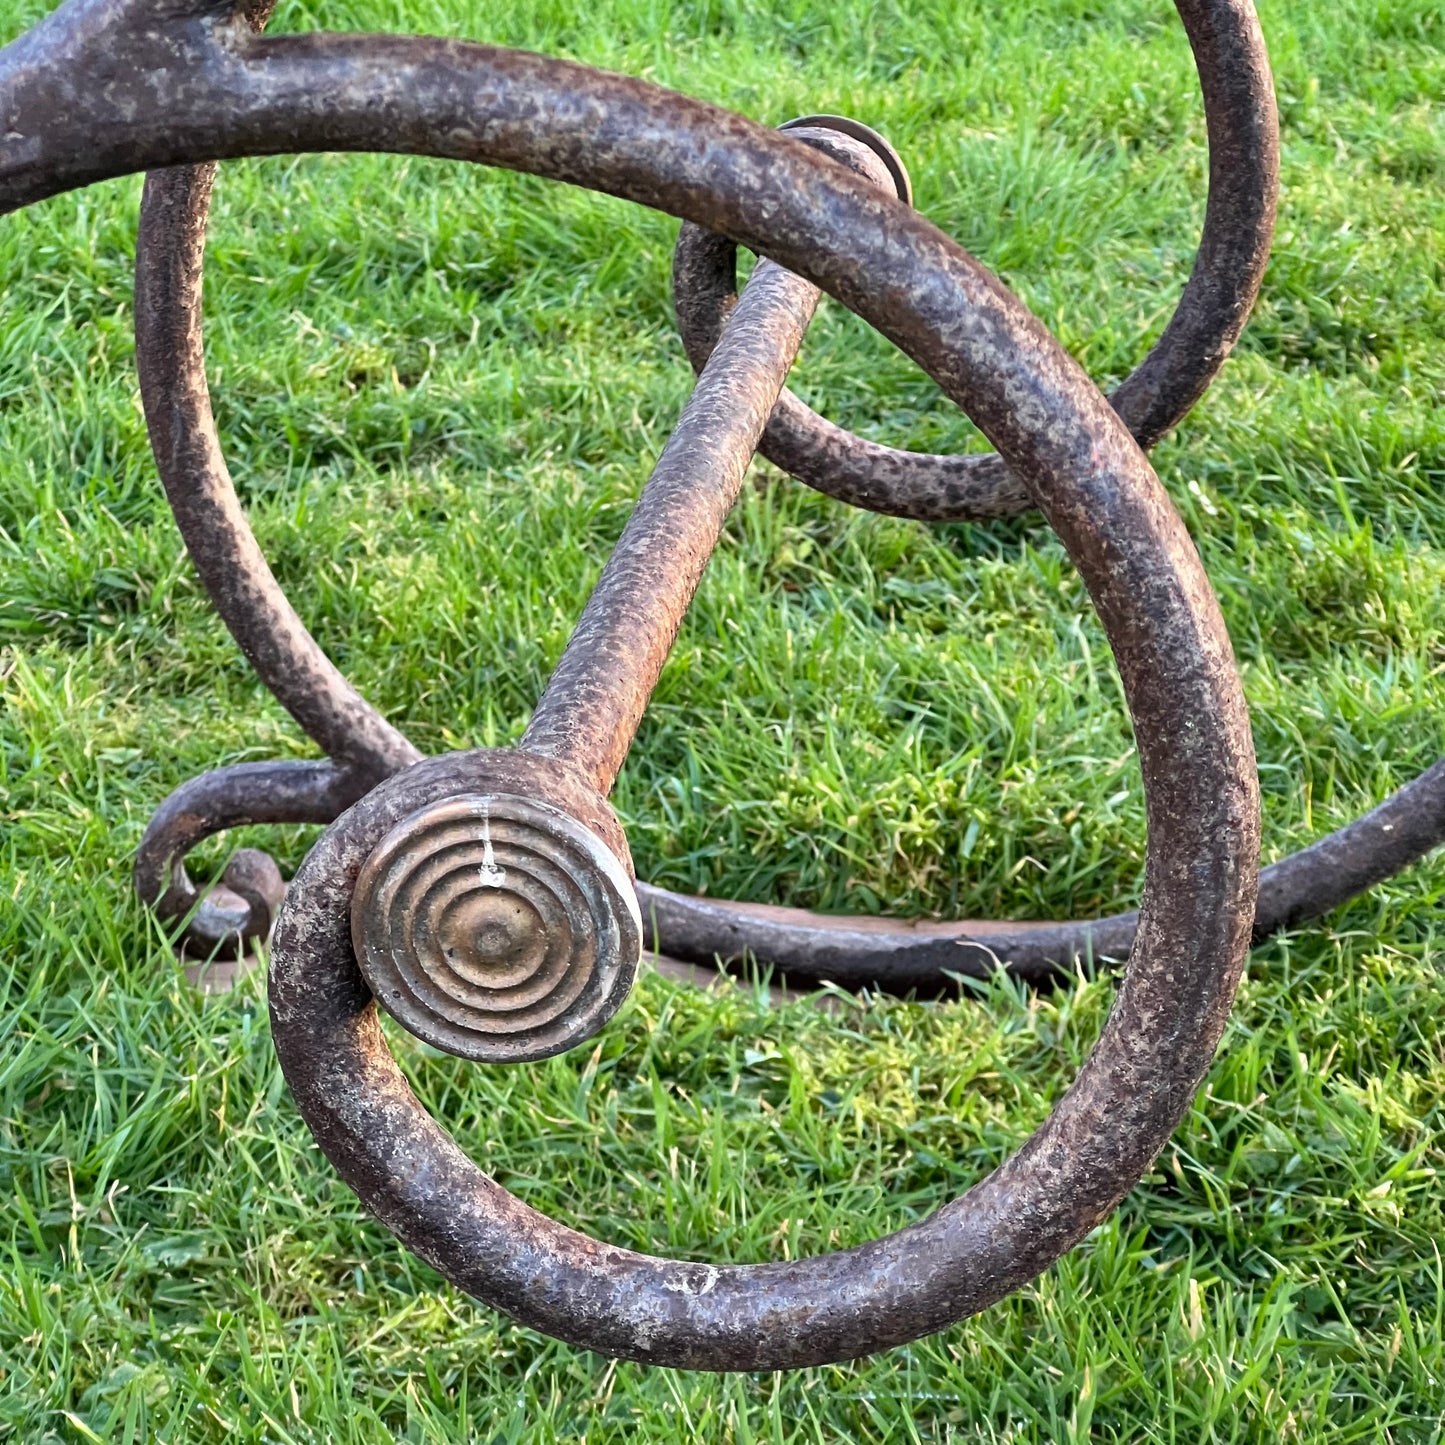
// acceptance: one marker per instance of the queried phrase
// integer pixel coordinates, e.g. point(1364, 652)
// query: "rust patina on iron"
point(485, 895)
point(196, 87)
point(1243, 130)
point(895, 954)
point(1098, 491)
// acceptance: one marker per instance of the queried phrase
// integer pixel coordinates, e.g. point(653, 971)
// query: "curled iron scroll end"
point(228, 920)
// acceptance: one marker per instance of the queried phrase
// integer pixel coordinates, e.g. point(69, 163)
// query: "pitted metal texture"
point(485, 898)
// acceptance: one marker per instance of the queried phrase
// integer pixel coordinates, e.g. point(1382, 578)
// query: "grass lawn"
point(440, 389)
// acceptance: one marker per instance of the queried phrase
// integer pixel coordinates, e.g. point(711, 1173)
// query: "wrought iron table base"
point(486, 898)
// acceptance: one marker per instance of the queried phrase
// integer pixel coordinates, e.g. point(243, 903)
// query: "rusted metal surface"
point(170, 259)
point(234, 797)
point(485, 897)
point(600, 688)
point(171, 367)
point(812, 216)
point(928, 958)
point(896, 954)
point(1243, 130)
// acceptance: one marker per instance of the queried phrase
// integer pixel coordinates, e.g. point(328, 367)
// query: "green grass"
point(440, 390)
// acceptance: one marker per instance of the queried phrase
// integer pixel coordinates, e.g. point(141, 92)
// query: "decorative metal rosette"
point(496, 927)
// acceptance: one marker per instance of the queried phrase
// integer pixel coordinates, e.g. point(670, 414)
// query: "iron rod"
point(596, 697)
